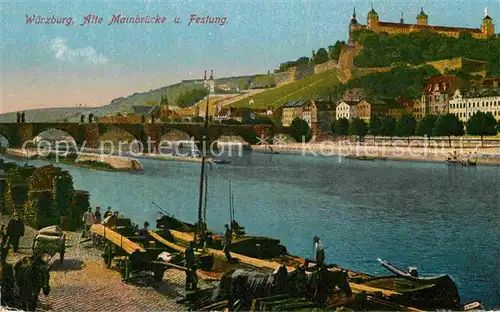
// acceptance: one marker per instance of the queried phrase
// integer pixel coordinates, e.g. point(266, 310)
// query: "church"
point(374, 24)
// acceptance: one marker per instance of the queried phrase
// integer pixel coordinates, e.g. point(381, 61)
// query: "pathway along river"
point(441, 218)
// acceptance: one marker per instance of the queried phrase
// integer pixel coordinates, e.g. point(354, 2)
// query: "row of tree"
point(319, 56)
point(190, 97)
point(480, 124)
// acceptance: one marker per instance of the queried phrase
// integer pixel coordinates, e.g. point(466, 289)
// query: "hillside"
point(420, 47)
point(309, 87)
point(46, 115)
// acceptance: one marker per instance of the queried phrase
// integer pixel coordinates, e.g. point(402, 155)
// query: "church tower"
point(353, 26)
point(422, 18)
point(487, 27)
point(373, 20)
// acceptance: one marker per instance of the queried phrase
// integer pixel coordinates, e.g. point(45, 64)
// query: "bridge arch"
point(50, 138)
point(116, 139)
point(4, 141)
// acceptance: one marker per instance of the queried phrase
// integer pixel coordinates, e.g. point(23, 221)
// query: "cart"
point(132, 258)
point(50, 241)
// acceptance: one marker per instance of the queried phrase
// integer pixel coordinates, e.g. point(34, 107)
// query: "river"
point(440, 218)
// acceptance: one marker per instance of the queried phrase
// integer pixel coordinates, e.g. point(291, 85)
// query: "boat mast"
point(200, 228)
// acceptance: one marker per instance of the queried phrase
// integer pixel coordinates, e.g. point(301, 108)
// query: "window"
point(436, 98)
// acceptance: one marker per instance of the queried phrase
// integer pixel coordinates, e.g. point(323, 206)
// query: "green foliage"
point(375, 127)
point(406, 126)
point(79, 205)
point(164, 100)
point(262, 120)
point(341, 127)
point(448, 125)
point(287, 65)
point(230, 122)
point(62, 193)
point(198, 119)
point(190, 97)
point(96, 164)
point(300, 130)
point(498, 126)
point(358, 127)
point(482, 124)
point(305, 88)
point(166, 119)
point(388, 126)
point(334, 50)
point(420, 47)
point(320, 57)
point(399, 81)
point(38, 211)
point(426, 126)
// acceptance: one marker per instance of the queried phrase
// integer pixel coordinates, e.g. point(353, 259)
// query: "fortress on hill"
point(374, 24)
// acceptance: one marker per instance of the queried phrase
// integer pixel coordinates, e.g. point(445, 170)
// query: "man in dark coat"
point(18, 117)
point(144, 234)
point(3, 250)
point(82, 118)
point(190, 259)
point(228, 238)
point(22, 118)
point(15, 230)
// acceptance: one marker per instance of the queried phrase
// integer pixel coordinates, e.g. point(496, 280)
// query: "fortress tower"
point(487, 28)
point(422, 18)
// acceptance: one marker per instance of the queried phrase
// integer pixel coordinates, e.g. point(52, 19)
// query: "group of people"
point(20, 117)
point(94, 217)
point(10, 236)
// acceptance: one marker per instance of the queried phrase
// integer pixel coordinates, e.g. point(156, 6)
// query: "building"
point(491, 82)
point(303, 109)
point(486, 30)
point(466, 103)
point(346, 109)
point(325, 111)
point(241, 114)
point(366, 109)
point(438, 90)
point(355, 94)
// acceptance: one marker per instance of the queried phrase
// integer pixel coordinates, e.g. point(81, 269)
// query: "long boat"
point(406, 275)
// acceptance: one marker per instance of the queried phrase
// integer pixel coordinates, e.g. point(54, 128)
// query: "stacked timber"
point(119, 240)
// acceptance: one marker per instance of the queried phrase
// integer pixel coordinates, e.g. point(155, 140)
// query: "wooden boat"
point(409, 276)
point(221, 161)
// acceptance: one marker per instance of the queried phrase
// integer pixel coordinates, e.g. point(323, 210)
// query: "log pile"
point(119, 240)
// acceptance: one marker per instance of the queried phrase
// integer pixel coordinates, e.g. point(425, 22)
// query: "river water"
point(440, 218)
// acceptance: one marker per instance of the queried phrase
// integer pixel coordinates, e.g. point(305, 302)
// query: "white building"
point(465, 103)
point(346, 109)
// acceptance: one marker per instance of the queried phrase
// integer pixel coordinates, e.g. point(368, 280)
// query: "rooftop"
point(296, 103)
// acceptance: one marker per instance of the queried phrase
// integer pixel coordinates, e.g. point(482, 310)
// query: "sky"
point(54, 65)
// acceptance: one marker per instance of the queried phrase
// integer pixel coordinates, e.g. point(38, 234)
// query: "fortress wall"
point(321, 68)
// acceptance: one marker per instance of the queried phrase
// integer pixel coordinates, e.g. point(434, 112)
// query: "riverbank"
point(84, 160)
point(433, 153)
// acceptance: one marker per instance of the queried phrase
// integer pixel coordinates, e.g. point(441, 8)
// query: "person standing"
point(88, 220)
point(228, 238)
point(319, 250)
point(18, 117)
point(97, 215)
point(144, 234)
point(22, 118)
point(190, 259)
point(15, 230)
point(108, 213)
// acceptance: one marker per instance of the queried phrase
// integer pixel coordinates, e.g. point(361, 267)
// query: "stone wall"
point(282, 78)
point(330, 65)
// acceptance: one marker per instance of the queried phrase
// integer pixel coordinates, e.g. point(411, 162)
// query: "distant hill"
point(46, 115)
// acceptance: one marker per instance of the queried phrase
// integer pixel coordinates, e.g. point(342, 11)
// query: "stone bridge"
point(90, 133)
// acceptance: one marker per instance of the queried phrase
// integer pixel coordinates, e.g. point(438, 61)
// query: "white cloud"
point(87, 55)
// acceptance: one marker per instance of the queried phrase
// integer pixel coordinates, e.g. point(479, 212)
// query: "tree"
point(320, 57)
point(406, 126)
point(375, 127)
point(498, 126)
point(300, 130)
point(448, 125)
point(230, 122)
point(358, 127)
point(334, 50)
point(388, 126)
point(341, 127)
point(482, 124)
point(426, 126)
